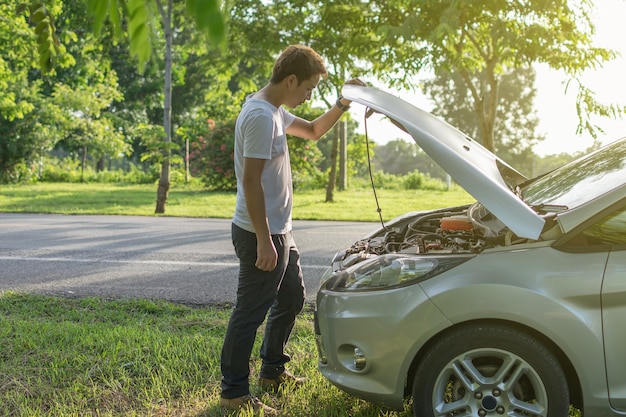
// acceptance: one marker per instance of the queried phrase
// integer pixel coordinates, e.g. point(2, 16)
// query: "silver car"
point(513, 305)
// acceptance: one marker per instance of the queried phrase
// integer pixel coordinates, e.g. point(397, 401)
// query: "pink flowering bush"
point(211, 156)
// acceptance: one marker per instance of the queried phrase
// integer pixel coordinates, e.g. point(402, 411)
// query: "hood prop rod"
point(368, 113)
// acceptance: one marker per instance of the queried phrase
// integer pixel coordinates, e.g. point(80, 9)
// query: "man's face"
point(303, 91)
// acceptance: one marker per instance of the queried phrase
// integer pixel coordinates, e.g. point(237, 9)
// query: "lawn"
point(92, 357)
point(140, 200)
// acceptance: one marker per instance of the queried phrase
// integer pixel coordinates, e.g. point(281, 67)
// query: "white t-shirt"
point(260, 133)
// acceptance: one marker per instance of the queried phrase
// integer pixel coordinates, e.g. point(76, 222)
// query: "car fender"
point(555, 293)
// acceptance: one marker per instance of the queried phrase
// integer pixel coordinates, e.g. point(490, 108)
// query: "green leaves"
point(490, 38)
point(47, 40)
point(141, 17)
point(208, 18)
point(139, 31)
point(101, 9)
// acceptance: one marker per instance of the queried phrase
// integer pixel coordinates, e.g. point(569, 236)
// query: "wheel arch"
point(573, 380)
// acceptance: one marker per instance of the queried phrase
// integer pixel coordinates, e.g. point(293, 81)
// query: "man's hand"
point(266, 256)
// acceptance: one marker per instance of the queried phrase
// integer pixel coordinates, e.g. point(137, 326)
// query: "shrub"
point(309, 181)
point(20, 173)
point(416, 180)
point(387, 181)
point(69, 170)
point(413, 180)
point(211, 156)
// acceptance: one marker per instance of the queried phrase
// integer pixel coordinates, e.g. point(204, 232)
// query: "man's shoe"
point(248, 401)
point(286, 380)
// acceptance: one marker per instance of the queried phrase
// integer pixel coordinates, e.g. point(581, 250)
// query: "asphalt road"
point(184, 260)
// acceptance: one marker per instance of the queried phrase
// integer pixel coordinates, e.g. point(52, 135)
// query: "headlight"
point(392, 270)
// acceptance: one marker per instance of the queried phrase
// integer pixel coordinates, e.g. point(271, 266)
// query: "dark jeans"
point(280, 291)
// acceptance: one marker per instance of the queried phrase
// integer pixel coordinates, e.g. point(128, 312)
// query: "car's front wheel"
point(489, 370)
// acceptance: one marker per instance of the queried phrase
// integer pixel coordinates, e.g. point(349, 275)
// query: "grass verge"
point(140, 200)
point(93, 357)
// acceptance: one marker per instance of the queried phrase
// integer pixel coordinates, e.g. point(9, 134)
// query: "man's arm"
point(255, 201)
point(318, 127)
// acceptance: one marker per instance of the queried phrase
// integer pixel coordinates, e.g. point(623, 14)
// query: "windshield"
point(580, 181)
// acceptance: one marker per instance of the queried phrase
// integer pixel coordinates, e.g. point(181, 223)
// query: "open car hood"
point(482, 174)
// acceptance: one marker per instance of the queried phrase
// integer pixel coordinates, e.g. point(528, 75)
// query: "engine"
point(469, 230)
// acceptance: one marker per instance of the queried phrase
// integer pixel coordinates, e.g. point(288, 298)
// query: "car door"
point(613, 317)
point(610, 232)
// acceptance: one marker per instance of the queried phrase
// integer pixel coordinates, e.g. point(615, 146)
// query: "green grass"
point(140, 200)
point(92, 357)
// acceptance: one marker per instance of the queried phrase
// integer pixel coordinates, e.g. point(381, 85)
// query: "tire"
point(489, 370)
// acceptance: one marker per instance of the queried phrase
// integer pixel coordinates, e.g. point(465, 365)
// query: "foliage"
point(155, 149)
point(28, 118)
point(93, 97)
point(211, 156)
point(416, 180)
point(485, 40)
point(69, 170)
point(343, 32)
point(45, 30)
point(305, 158)
point(86, 125)
point(69, 107)
point(138, 16)
point(516, 122)
point(400, 157)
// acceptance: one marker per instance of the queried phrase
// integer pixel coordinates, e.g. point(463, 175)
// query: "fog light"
point(359, 359)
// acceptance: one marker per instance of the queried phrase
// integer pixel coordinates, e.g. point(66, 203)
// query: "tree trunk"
point(83, 162)
point(332, 176)
point(485, 104)
point(100, 164)
point(490, 107)
point(164, 180)
point(187, 175)
point(343, 155)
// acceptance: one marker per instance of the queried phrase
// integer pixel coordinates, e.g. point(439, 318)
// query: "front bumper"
point(367, 341)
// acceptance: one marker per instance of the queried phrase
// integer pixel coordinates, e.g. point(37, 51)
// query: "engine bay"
point(468, 229)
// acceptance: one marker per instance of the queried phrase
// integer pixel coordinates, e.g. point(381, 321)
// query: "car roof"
point(481, 173)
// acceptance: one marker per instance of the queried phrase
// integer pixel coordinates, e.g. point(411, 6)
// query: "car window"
point(580, 181)
point(611, 230)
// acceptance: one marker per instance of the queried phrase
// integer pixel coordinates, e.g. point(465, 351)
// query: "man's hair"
point(299, 60)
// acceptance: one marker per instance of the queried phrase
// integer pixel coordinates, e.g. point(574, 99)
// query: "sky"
point(556, 108)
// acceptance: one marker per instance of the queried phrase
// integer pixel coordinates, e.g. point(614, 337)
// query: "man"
point(270, 276)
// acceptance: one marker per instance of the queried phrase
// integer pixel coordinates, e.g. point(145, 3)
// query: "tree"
point(85, 89)
point(399, 157)
point(342, 32)
point(137, 15)
point(485, 40)
point(18, 97)
point(141, 18)
point(514, 129)
point(67, 105)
